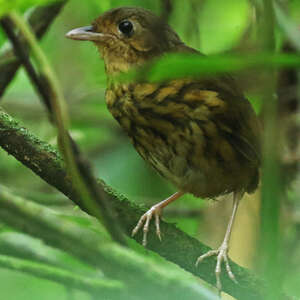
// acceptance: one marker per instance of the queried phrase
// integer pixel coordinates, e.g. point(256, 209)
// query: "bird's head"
point(127, 37)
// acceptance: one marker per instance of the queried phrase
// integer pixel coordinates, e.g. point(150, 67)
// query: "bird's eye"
point(126, 28)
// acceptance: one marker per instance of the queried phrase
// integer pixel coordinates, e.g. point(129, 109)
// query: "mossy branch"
point(176, 246)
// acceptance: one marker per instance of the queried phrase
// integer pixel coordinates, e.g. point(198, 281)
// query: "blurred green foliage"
point(230, 19)
point(20, 5)
point(211, 26)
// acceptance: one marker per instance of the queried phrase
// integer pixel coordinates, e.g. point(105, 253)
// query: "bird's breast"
point(172, 127)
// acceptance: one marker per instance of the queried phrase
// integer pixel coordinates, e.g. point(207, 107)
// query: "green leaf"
point(183, 66)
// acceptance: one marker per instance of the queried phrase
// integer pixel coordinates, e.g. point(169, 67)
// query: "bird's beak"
point(85, 34)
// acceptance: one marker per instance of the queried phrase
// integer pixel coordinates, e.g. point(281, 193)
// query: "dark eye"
point(126, 28)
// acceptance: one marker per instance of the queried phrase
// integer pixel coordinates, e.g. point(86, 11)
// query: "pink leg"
point(156, 211)
point(222, 252)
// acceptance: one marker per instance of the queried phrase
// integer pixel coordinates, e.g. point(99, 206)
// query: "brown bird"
point(200, 134)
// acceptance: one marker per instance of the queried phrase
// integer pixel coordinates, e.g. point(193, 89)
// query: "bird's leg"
point(156, 211)
point(222, 252)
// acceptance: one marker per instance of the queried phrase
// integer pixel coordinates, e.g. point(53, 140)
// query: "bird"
point(201, 134)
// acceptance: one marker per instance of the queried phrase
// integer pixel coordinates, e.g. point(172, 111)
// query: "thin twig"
point(271, 191)
point(166, 9)
point(51, 95)
point(23, 55)
point(39, 19)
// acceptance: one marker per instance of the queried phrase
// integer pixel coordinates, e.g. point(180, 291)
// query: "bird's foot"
point(145, 219)
point(222, 255)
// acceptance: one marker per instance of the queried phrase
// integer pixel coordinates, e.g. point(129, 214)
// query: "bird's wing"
point(238, 122)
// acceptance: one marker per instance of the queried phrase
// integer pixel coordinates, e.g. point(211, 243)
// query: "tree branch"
point(176, 246)
point(40, 19)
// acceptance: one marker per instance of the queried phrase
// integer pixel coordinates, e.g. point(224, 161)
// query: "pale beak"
point(85, 34)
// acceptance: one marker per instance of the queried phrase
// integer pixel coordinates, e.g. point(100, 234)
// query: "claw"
point(145, 219)
point(156, 211)
point(222, 252)
point(222, 255)
point(207, 254)
point(157, 221)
